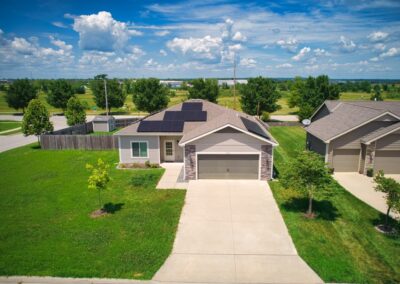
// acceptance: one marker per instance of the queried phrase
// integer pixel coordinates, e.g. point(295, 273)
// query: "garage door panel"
point(388, 161)
point(346, 160)
point(228, 166)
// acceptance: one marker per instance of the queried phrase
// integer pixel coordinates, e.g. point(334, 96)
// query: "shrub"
point(370, 172)
point(265, 116)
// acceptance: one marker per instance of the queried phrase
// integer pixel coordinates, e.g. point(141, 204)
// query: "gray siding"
point(323, 111)
point(389, 142)
point(315, 144)
point(178, 150)
point(125, 152)
point(228, 142)
point(100, 126)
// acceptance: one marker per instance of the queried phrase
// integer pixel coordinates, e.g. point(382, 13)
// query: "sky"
point(200, 38)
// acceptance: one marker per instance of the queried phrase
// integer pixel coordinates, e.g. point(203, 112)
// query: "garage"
point(228, 166)
point(388, 161)
point(346, 160)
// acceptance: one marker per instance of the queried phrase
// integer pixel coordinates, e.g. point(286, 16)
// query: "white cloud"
point(302, 54)
point(22, 46)
point(162, 33)
point(248, 62)
point(390, 53)
point(163, 52)
point(100, 32)
point(321, 52)
point(377, 36)
point(201, 48)
point(151, 63)
point(238, 36)
point(347, 45)
point(380, 46)
point(290, 44)
point(284, 65)
point(59, 25)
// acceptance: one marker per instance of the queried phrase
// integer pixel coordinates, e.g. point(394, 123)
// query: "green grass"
point(341, 244)
point(45, 228)
point(9, 124)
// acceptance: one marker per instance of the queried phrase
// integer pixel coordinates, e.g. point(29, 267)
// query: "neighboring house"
point(357, 135)
point(213, 142)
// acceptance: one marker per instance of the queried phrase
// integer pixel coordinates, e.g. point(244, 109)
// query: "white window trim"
point(139, 141)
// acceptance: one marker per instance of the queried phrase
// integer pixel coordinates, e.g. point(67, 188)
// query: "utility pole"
point(234, 81)
point(105, 93)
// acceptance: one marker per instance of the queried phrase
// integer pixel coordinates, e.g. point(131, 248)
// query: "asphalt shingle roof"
point(380, 132)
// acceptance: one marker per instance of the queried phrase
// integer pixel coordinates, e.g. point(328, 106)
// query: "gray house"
point(212, 142)
point(355, 136)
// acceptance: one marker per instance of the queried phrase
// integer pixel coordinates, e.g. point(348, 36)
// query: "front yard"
point(45, 228)
point(341, 245)
point(7, 125)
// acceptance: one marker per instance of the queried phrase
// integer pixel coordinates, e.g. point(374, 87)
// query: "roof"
point(347, 115)
point(102, 118)
point(217, 117)
point(380, 133)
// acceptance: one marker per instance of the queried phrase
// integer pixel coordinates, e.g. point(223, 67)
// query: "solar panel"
point(160, 126)
point(253, 127)
point(192, 106)
point(185, 116)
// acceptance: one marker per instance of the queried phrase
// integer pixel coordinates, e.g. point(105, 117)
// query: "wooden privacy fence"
point(83, 142)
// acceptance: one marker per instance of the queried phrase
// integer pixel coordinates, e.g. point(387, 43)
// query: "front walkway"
point(362, 187)
point(173, 177)
point(231, 231)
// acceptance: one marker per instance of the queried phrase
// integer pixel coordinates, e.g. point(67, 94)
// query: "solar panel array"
point(253, 127)
point(160, 126)
point(192, 106)
point(186, 115)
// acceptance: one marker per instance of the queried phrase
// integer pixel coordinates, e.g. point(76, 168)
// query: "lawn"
point(341, 244)
point(45, 228)
point(8, 125)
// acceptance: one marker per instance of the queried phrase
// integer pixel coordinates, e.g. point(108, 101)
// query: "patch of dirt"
point(98, 213)
point(310, 216)
point(386, 230)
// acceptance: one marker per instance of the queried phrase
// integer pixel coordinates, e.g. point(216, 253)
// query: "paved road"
point(288, 117)
point(233, 232)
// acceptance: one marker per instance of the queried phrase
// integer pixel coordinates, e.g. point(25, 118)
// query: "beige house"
point(355, 136)
point(212, 142)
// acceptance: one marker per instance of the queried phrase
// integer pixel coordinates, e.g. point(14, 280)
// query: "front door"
point(169, 151)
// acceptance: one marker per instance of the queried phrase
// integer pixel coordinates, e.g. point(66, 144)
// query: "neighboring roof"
point(103, 118)
point(347, 115)
point(217, 117)
point(382, 132)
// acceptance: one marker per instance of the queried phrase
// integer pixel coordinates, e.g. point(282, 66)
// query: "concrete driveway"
point(362, 187)
point(233, 232)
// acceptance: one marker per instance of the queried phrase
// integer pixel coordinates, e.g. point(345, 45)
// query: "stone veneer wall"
point(266, 162)
point(190, 162)
point(369, 157)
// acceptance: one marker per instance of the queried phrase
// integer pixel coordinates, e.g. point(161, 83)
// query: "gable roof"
point(382, 132)
point(217, 117)
point(348, 115)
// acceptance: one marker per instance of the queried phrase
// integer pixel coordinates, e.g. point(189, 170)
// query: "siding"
point(389, 142)
point(126, 151)
point(315, 144)
point(178, 150)
point(228, 142)
point(323, 111)
point(101, 126)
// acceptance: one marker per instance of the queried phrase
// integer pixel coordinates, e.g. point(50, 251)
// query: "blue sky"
point(199, 38)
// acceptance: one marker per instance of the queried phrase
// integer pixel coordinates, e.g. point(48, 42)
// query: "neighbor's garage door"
point(388, 161)
point(346, 160)
point(228, 166)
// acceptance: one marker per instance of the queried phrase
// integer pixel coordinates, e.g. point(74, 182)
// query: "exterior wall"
point(369, 157)
point(178, 150)
point(125, 150)
point(323, 111)
point(315, 144)
point(190, 162)
point(100, 126)
point(363, 158)
point(389, 142)
point(266, 162)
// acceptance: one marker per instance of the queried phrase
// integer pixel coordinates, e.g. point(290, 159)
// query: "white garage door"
point(346, 160)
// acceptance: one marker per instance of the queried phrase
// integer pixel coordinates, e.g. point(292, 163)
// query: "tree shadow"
point(112, 207)
point(275, 172)
point(35, 146)
point(391, 222)
point(324, 209)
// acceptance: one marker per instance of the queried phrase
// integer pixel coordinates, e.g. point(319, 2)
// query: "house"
point(103, 123)
point(211, 141)
point(355, 136)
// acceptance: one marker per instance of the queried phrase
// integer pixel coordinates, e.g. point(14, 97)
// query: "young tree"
point(391, 188)
point(99, 178)
point(204, 89)
point(115, 95)
point(377, 95)
point(259, 95)
point(75, 112)
point(307, 174)
point(60, 91)
point(149, 95)
point(36, 120)
point(20, 93)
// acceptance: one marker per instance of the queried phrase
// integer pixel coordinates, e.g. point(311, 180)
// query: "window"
point(139, 149)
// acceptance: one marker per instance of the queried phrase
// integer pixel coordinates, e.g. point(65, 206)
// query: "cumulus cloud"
point(100, 32)
point(163, 52)
point(238, 36)
point(377, 36)
point(379, 46)
point(390, 53)
point(284, 65)
point(290, 44)
point(303, 53)
point(248, 62)
point(347, 45)
point(321, 52)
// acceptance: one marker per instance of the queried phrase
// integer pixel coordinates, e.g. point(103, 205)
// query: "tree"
point(75, 112)
point(377, 95)
point(60, 91)
point(307, 174)
point(36, 119)
point(296, 91)
point(259, 95)
point(115, 95)
point(99, 178)
point(20, 93)
point(391, 189)
point(149, 95)
point(204, 89)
